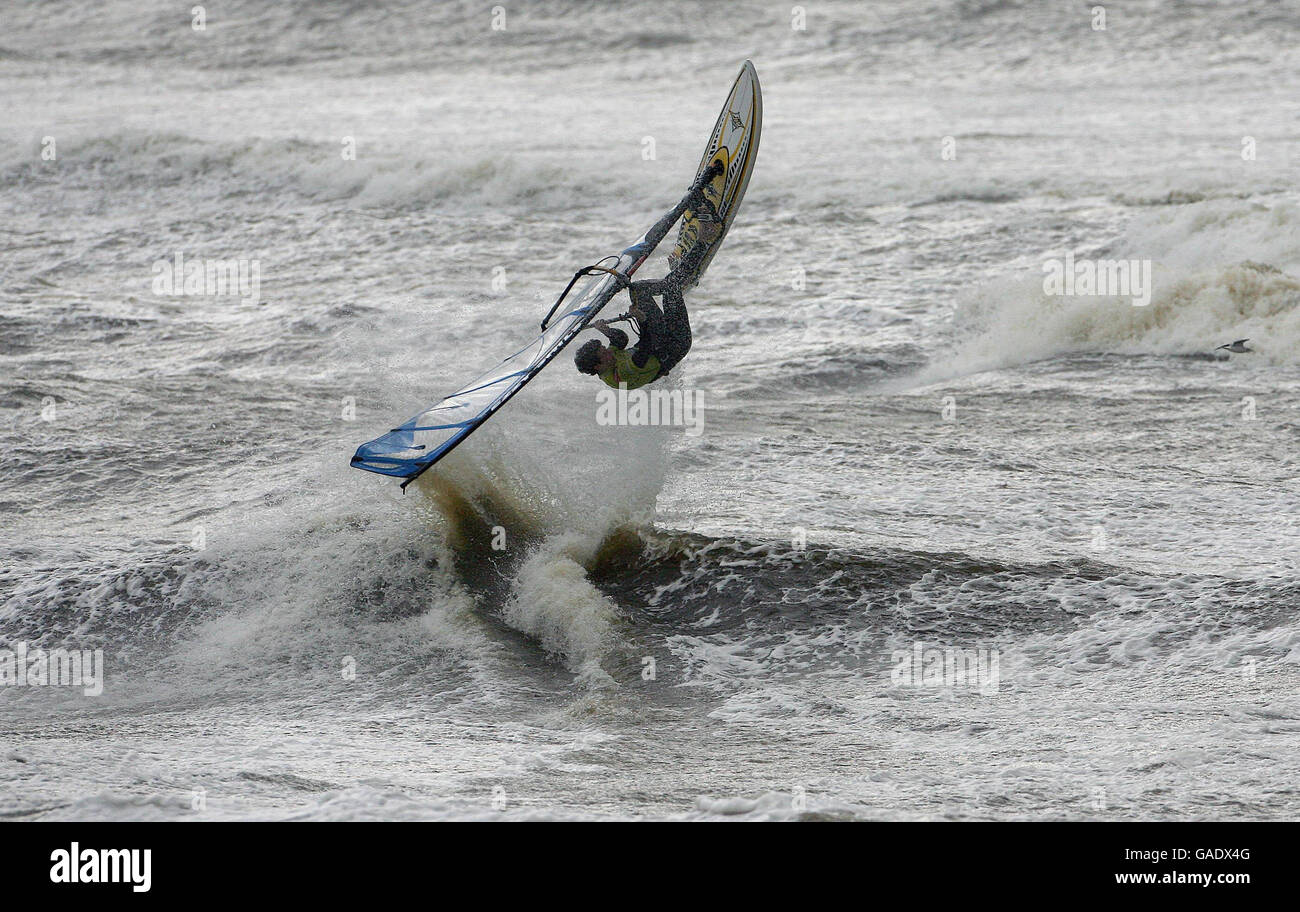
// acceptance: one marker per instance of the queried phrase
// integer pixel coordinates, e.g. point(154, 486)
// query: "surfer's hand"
point(636, 312)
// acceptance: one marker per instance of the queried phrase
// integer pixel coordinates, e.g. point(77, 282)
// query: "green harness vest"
point(626, 371)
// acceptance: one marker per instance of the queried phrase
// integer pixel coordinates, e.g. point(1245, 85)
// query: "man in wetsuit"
point(664, 336)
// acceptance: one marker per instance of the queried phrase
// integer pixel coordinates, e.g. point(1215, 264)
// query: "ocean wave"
point(177, 163)
point(1221, 270)
point(840, 35)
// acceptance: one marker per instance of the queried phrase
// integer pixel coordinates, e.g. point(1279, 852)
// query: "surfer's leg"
point(684, 270)
point(642, 292)
point(675, 339)
point(665, 224)
point(667, 332)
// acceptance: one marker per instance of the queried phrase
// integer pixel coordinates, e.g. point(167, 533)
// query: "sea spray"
point(524, 541)
point(557, 604)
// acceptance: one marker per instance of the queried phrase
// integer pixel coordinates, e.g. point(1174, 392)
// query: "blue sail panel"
point(406, 451)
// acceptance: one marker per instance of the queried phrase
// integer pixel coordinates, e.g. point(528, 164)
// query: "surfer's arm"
point(649, 321)
point(616, 337)
point(687, 266)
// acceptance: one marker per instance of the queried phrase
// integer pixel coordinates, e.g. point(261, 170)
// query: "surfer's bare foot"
point(704, 179)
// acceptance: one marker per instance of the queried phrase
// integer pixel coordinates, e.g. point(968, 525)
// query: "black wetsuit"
point(666, 333)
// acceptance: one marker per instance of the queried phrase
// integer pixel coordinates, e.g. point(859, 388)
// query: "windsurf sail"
point(407, 451)
point(411, 449)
